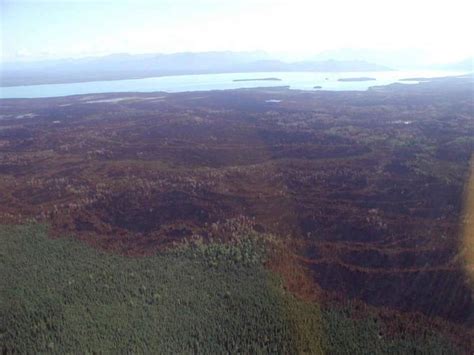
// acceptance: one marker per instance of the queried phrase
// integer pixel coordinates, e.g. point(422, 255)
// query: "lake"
point(202, 82)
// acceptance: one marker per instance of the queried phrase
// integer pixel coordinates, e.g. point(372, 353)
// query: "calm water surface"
point(296, 80)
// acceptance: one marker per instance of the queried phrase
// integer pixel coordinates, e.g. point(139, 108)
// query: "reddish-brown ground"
point(365, 188)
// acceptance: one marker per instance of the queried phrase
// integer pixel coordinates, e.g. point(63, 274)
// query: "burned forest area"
point(362, 193)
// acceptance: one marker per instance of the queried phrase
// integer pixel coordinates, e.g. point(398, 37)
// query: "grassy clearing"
point(59, 296)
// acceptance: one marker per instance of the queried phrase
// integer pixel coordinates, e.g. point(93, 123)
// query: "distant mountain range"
point(464, 65)
point(399, 59)
point(126, 66)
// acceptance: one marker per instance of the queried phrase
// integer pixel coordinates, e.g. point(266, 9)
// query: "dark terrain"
point(364, 188)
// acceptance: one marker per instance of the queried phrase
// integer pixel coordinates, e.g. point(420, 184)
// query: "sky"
point(41, 29)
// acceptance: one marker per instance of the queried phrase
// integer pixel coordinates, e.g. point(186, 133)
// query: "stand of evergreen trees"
point(60, 296)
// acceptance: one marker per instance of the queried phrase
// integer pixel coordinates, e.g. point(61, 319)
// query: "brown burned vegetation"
point(365, 188)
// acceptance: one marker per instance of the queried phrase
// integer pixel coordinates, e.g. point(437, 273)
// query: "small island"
point(258, 79)
point(415, 79)
point(357, 79)
point(317, 87)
